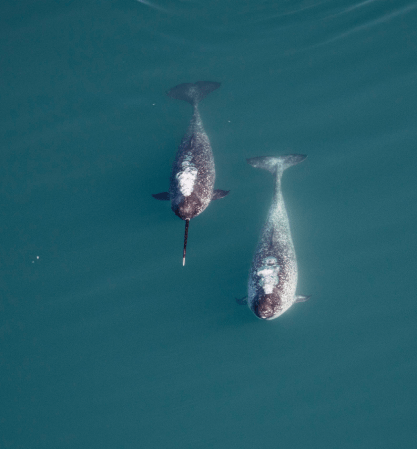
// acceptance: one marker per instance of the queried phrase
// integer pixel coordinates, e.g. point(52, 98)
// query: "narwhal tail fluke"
point(187, 222)
point(276, 164)
point(193, 93)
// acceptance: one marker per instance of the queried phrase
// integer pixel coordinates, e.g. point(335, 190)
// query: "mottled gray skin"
point(194, 153)
point(273, 274)
point(192, 175)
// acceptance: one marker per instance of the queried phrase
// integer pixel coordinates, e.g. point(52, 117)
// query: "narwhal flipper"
point(301, 298)
point(217, 194)
point(161, 196)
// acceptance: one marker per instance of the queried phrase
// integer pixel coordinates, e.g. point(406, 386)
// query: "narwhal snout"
point(265, 307)
point(186, 209)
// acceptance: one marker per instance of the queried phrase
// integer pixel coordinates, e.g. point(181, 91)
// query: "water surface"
point(106, 340)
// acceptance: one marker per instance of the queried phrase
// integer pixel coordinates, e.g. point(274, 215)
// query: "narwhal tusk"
point(187, 222)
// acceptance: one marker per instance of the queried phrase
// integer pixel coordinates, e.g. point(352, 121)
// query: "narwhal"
point(273, 274)
point(192, 178)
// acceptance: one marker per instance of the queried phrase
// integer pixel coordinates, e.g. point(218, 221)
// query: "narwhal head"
point(186, 207)
point(265, 296)
point(267, 306)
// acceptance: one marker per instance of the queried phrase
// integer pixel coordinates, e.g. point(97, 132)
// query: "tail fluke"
point(272, 164)
point(193, 93)
point(187, 222)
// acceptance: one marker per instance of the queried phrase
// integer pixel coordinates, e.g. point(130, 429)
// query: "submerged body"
point(191, 186)
point(273, 274)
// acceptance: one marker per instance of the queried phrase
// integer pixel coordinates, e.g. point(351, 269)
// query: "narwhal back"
point(191, 187)
point(273, 274)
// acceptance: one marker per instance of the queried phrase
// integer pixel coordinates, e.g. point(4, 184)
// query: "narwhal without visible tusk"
point(192, 175)
point(273, 274)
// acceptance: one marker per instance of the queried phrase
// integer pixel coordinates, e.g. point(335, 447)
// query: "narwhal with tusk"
point(191, 186)
point(273, 274)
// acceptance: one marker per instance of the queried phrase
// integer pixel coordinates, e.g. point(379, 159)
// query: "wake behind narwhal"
point(191, 187)
point(273, 274)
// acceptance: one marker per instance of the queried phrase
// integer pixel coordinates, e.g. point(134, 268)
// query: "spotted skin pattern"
point(273, 274)
point(191, 186)
point(193, 174)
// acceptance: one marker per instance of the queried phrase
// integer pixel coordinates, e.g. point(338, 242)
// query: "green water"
point(106, 341)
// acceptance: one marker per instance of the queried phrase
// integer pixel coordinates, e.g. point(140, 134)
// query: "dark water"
point(106, 340)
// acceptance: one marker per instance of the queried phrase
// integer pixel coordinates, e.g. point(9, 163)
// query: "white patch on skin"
point(269, 274)
point(187, 176)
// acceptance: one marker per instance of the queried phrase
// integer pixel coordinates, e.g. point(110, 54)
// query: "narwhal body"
point(193, 174)
point(273, 274)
